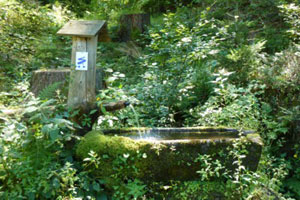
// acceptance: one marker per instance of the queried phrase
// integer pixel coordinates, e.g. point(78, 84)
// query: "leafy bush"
point(174, 76)
point(291, 13)
point(183, 54)
point(176, 80)
point(36, 161)
point(231, 106)
point(27, 38)
point(281, 77)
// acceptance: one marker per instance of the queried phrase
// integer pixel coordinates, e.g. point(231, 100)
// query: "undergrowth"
point(202, 63)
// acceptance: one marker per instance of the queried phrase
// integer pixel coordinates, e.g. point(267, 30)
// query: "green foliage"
point(118, 166)
point(175, 78)
point(114, 94)
point(183, 54)
point(180, 77)
point(29, 153)
point(251, 21)
point(293, 185)
point(49, 91)
point(281, 78)
point(245, 61)
point(199, 190)
point(243, 184)
point(16, 95)
point(35, 160)
point(113, 160)
point(152, 6)
point(27, 38)
point(230, 106)
point(291, 13)
point(79, 7)
point(113, 9)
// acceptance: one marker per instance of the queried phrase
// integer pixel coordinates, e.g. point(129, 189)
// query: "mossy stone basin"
point(159, 154)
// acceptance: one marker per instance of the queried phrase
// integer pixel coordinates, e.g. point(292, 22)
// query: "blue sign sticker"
point(81, 61)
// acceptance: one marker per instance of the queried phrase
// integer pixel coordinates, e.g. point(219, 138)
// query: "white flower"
point(126, 155)
point(186, 39)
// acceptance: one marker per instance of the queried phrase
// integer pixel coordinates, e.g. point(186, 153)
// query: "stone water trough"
point(160, 154)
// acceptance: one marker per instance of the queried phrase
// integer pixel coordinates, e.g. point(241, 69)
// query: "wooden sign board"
point(82, 83)
point(82, 28)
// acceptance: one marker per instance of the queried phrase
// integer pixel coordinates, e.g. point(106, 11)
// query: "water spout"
point(135, 115)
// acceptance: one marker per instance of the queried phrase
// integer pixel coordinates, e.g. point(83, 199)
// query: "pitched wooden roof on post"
point(82, 28)
point(83, 62)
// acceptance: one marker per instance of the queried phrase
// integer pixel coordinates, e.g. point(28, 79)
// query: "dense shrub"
point(36, 158)
point(28, 38)
point(229, 63)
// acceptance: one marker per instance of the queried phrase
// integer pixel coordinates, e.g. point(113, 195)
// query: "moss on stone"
point(110, 145)
point(158, 161)
point(254, 138)
point(115, 148)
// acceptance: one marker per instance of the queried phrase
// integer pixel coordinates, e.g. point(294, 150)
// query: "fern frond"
point(49, 91)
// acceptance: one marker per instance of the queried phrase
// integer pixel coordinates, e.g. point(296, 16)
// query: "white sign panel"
point(81, 61)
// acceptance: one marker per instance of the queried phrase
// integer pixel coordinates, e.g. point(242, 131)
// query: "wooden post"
point(83, 70)
point(83, 83)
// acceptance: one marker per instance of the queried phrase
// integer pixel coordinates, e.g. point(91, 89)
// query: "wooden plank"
point(100, 85)
point(78, 88)
point(82, 28)
point(91, 73)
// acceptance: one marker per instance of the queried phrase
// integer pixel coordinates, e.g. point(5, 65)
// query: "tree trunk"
point(42, 79)
point(132, 25)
